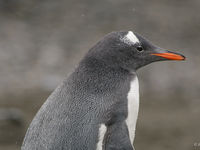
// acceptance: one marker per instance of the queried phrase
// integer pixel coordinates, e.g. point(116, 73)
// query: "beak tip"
point(180, 57)
point(184, 58)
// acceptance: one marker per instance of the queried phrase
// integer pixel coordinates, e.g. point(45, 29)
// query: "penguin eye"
point(140, 48)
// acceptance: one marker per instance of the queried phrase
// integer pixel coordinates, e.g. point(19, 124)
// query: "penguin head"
point(130, 51)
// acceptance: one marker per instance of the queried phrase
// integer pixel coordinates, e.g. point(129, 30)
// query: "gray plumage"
point(95, 93)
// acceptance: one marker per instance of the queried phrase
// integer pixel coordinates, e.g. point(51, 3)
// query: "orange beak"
point(170, 56)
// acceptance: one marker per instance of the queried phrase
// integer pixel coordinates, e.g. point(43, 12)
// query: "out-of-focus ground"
point(42, 41)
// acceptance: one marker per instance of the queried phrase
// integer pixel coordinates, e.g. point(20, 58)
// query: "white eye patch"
point(130, 38)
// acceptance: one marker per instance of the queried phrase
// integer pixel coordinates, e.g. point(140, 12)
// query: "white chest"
point(133, 107)
point(102, 132)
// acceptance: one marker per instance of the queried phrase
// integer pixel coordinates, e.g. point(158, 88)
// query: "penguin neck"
point(102, 76)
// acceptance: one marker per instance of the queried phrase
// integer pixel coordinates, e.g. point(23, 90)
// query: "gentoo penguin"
point(96, 107)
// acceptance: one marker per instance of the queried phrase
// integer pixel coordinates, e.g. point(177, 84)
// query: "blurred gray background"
point(42, 41)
